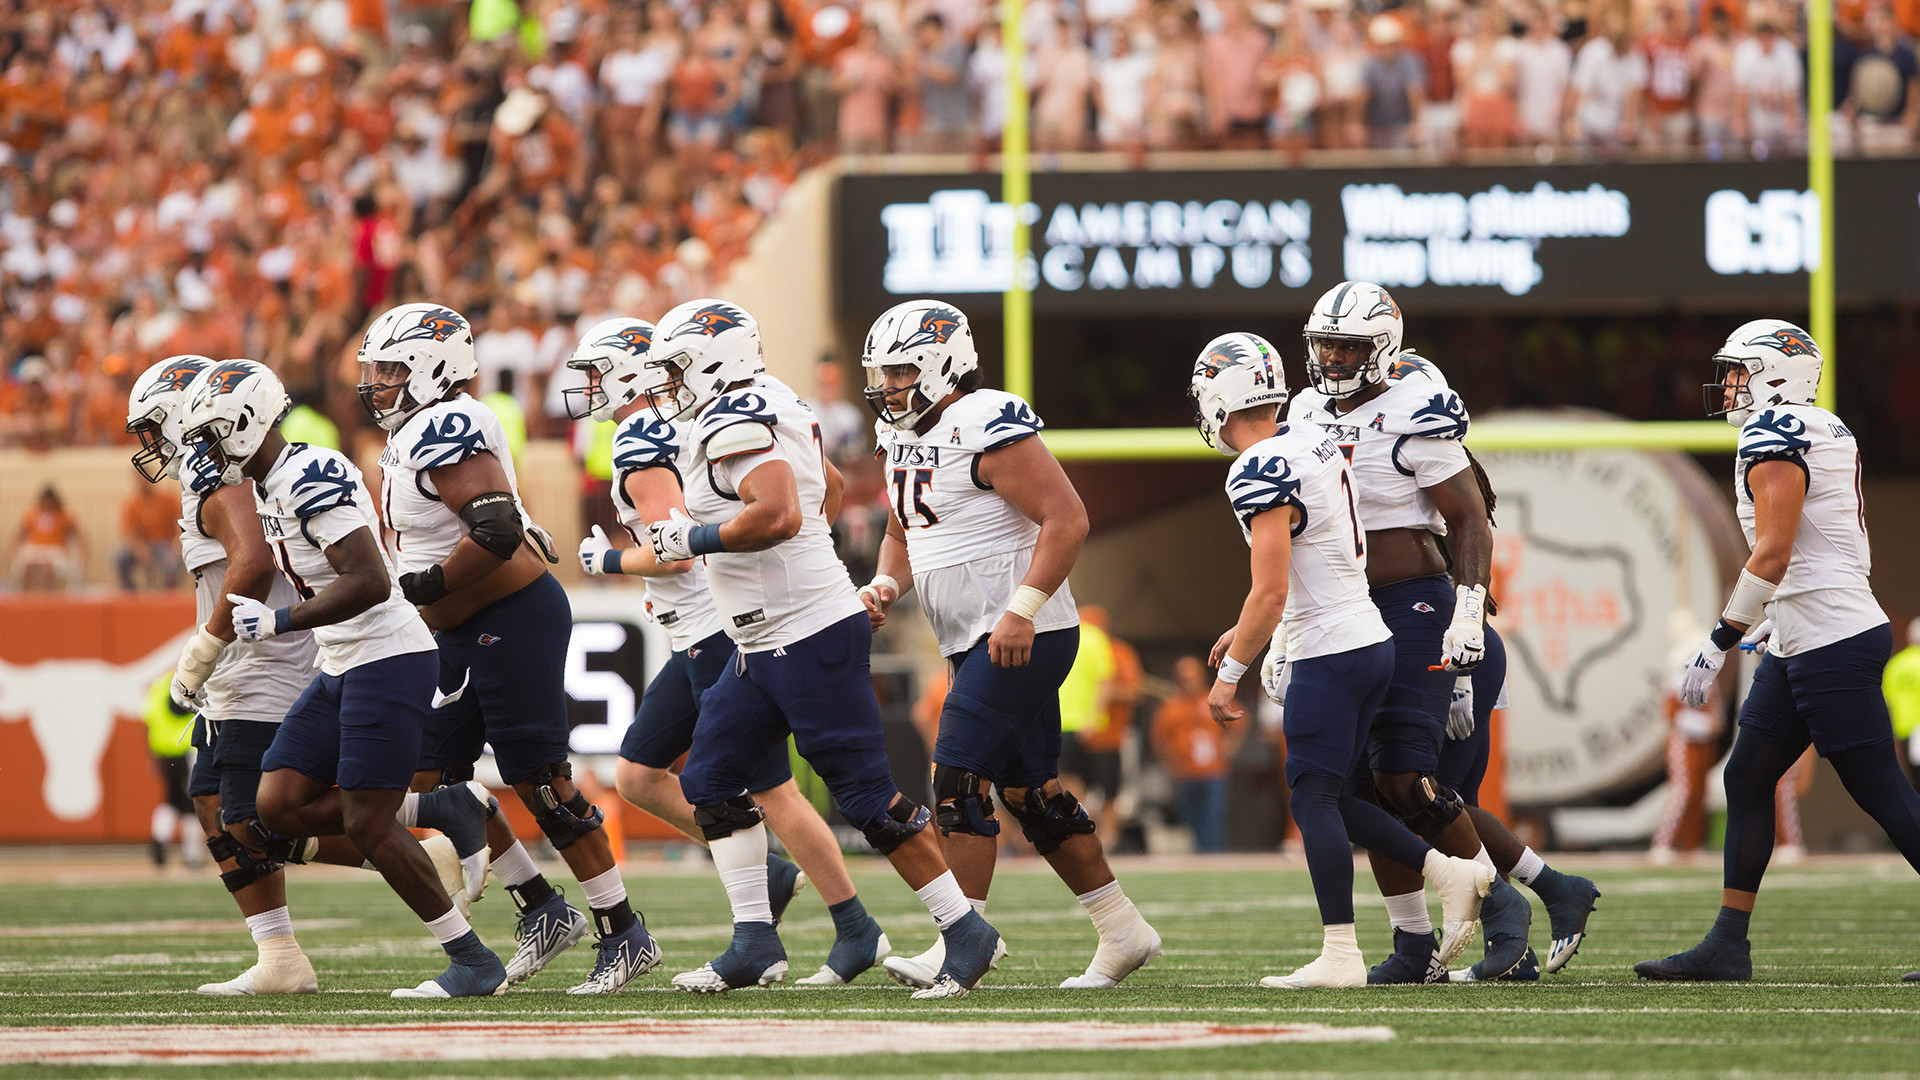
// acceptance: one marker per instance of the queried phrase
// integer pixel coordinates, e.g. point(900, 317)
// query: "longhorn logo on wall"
point(1594, 555)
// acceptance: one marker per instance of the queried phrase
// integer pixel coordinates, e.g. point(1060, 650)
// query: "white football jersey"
point(970, 548)
point(798, 587)
point(425, 530)
point(312, 499)
point(1824, 596)
point(256, 680)
point(682, 604)
point(1328, 608)
point(1406, 439)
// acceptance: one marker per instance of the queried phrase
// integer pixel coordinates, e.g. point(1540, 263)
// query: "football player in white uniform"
point(476, 565)
point(650, 457)
point(988, 526)
point(755, 490)
point(240, 690)
point(1294, 498)
point(1414, 486)
point(1796, 483)
point(357, 724)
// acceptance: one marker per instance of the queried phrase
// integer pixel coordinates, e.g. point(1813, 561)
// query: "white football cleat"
point(1462, 884)
point(946, 986)
point(453, 876)
point(705, 980)
point(921, 972)
point(1326, 972)
point(826, 976)
point(1118, 958)
point(281, 975)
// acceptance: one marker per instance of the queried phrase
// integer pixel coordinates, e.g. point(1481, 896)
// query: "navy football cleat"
point(1505, 918)
point(1528, 971)
point(1415, 959)
point(1710, 961)
point(620, 959)
point(971, 945)
point(755, 958)
point(784, 882)
point(1569, 900)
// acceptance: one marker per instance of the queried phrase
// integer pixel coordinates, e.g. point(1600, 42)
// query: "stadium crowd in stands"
point(239, 178)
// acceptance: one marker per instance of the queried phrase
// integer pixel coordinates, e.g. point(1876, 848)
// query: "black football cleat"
point(1415, 960)
point(1710, 961)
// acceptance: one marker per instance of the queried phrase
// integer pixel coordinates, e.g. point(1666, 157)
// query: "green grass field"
point(1832, 939)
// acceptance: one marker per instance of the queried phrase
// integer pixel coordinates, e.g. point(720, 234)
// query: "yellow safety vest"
point(1901, 685)
point(168, 729)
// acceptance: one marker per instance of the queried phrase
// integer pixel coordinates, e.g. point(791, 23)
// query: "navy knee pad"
point(564, 822)
point(1434, 807)
point(903, 821)
point(724, 819)
point(252, 868)
point(964, 805)
point(1047, 821)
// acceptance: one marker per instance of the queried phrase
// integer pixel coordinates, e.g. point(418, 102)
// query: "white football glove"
point(197, 660)
point(1276, 671)
point(1460, 712)
point(1696, 683)
point(1465, 642)
point(669, 537)
point(253, 620)
point(598, 556)
point(1757, 639)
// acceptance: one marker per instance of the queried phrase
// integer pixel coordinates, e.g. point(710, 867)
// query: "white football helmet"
point(933, 338)
point(699, 349)
point(432, 343)
point(1352, 311)
point(1782, 365)
point(230, 411)
point(154, 408)
point(617, 349)
point(1234, 372)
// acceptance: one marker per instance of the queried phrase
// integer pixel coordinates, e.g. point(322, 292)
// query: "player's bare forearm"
point(894, 561)
point(230, 517)
point(836, 490)
point(1027, 475)
point(1779, 493)
point(362, 583)
point(1469, 532)
point(769, 511)
point(468, 564)
point(1267, 600)
point(656, 493)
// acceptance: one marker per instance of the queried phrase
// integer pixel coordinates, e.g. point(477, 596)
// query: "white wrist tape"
point(1470, 604)
point(1231, 670)
point(885, 581)
point(1748, 604)
point(1027, 602)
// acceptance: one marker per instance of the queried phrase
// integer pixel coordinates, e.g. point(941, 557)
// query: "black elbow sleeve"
point(493, 521)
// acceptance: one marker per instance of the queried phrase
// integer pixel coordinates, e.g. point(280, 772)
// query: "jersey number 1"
point(1359, 538)
point(922, 480)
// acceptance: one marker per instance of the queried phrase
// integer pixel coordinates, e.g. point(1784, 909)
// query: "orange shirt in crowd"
point(31, 111)
point(1127, 677)
point(150, 516)
point(47, 528)
point(1187, 741)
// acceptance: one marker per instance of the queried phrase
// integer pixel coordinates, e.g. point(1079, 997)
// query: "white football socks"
point(1109, 908)
point(1486, 860)
point(605, 890)
point(1408, 911)
point(944, 900)
point(1529, 867)
point(270, 924)
point(741, 859)
point(979, 906)
point(514, 866)
point(449, 927)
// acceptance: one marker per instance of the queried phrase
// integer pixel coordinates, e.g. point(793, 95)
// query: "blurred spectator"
point(169, 744)
point(1767, 85)
point(1543, 65)
point(1063, 78)
point(1343, 63)
point(1608, 78)
point(1900, 684)
point(1231, 59)
point(1120, 95)
point(845, 429)
point(1710, 62)
point(1196, 751)
point(1883, 88)
point(1176, 108)
point(1483, 69)
point(149, 528)
point(937, 69)
point(1395, 79)
point(47, 550)
point(865, 78)
point(1669, 88)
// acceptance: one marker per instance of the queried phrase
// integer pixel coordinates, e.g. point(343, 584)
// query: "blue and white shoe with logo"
point(544, 932)
point(623, 957)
